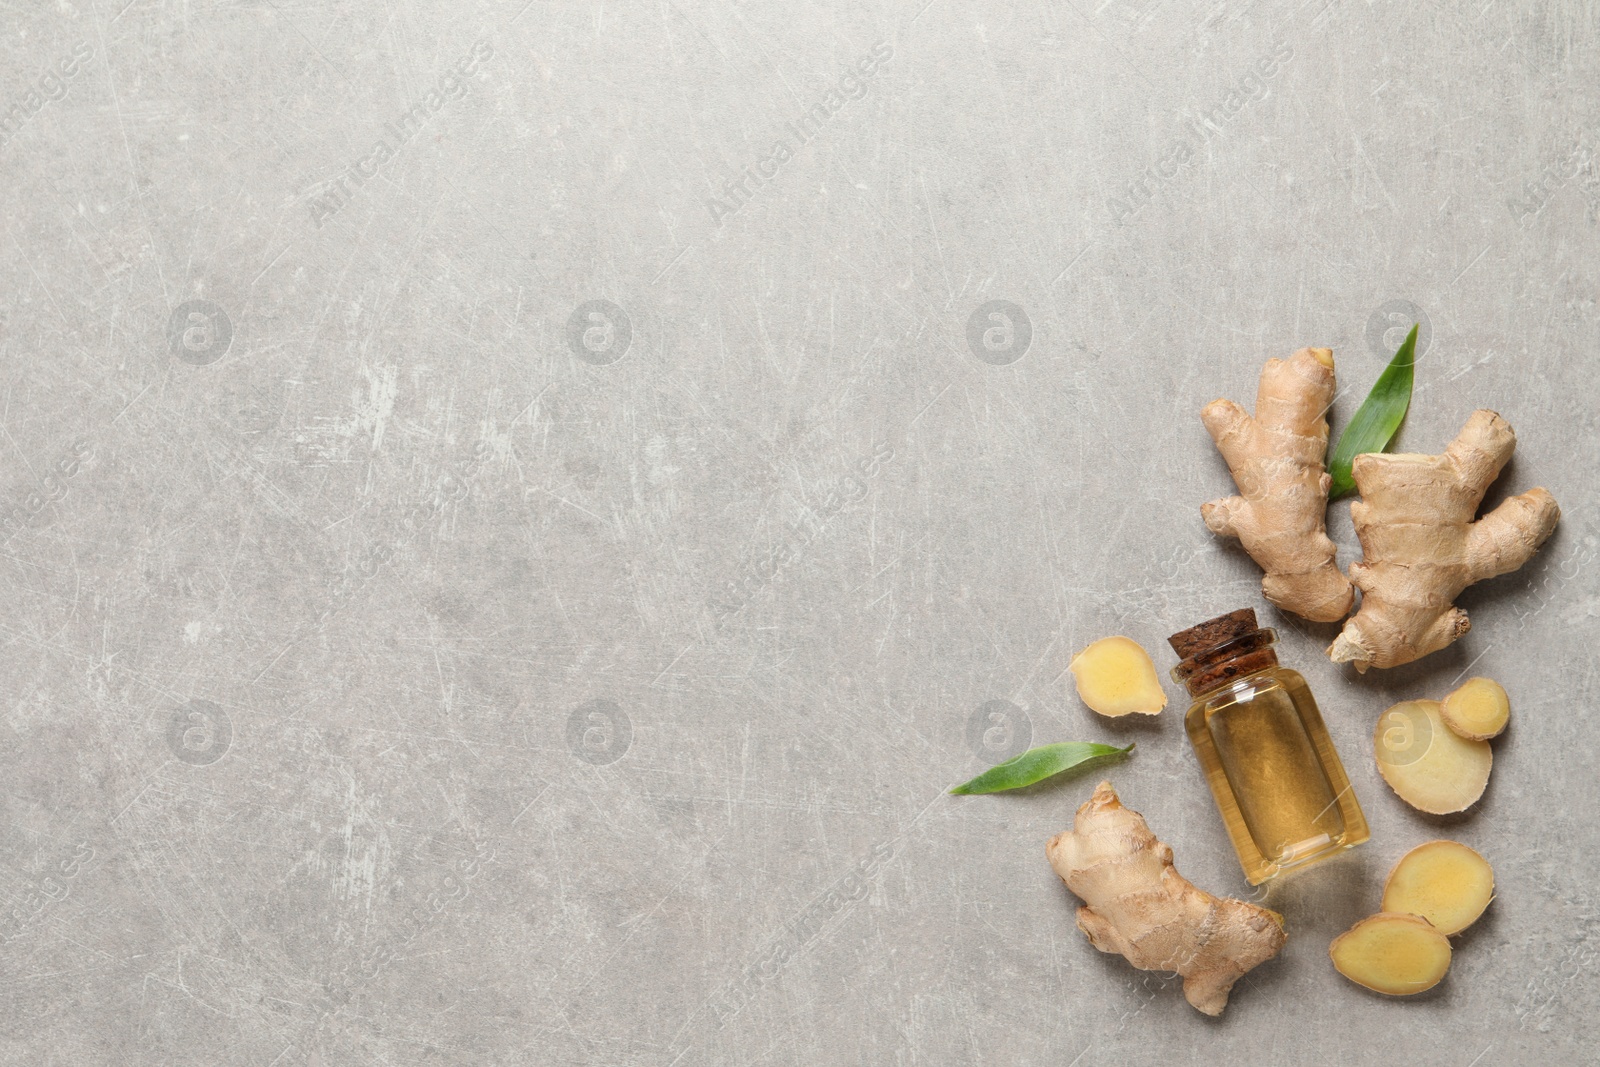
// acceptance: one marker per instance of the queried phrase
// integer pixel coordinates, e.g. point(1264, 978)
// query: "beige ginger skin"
point(1421, 547)
point(1136, 904)
point(1278, 460)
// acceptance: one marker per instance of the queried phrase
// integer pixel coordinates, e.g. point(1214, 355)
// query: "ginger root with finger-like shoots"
point(1136, 904)
point(1278, 460)
point(1421, 547)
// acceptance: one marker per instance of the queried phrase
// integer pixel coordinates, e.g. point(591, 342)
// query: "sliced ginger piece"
point(1394, 954)
point(1478, 710)
point(1445, 882)
point(1429, 766)
point(1115, 676)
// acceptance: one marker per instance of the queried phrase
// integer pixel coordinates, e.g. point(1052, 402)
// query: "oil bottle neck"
point(1227, 661)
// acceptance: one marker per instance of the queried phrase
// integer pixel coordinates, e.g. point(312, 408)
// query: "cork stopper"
point(1213, 632)
point(1222, 649)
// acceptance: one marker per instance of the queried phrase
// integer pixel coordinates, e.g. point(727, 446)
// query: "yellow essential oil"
point(1271, 765)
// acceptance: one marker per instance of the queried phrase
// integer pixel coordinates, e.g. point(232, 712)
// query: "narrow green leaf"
point(1377, 419)
point(1037, 764)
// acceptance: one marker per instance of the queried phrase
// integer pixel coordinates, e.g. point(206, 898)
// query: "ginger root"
point(1394, 954)
point(1116, 676)
point(1278, 462)
point(1428, 765)
point(1138, 905)
point(1445, 882)
point(1478, 709)
point(1421, 547)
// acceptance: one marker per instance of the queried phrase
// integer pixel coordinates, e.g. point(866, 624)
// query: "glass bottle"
point(1267, 756)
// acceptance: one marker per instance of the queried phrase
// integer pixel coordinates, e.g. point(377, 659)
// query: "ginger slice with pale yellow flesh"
point(1478, 709)
point(1445, 882)
point(1394, 954)
point(1428, 765)
point(1115, 676)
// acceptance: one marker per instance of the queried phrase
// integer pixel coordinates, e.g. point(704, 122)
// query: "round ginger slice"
point(1426, 763)
point(1115, 676)
point(1478, 710)
point(1445, 882)
point(1394, 954)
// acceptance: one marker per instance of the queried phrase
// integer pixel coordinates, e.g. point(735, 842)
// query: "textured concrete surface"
point(514, 513)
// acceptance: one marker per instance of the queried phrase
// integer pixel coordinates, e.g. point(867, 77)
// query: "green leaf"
point(1377, 419)
point(1037, 764)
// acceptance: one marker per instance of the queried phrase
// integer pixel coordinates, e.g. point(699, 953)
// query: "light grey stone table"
point(514, 513)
